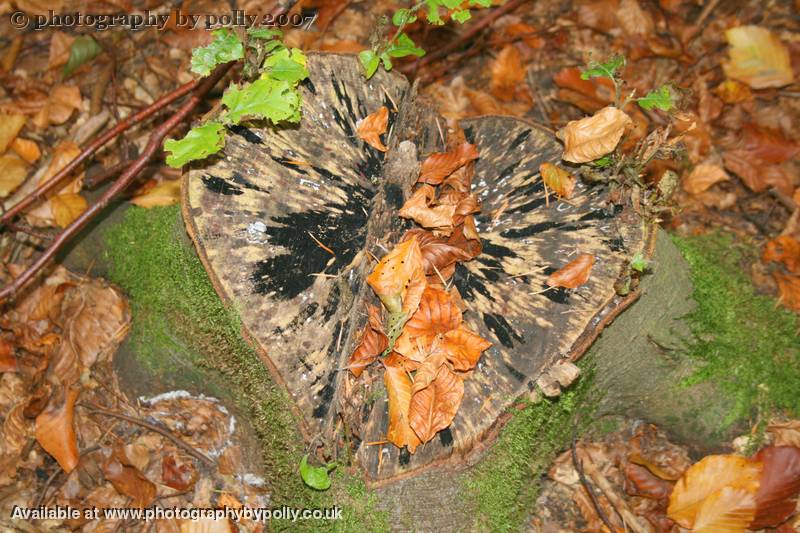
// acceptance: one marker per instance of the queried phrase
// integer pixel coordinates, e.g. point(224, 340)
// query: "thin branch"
point(588, 487)
point(152, 427)
point(125, 179)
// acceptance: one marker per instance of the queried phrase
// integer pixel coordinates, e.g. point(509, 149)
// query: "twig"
point(125, 179)
point(476, 28)
point(698, 25)
point(588, 487)
point(152, 427)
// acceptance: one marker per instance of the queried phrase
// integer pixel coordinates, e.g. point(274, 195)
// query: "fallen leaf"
point(788, 290)
point(557, 179)
point(768, 145)
point(757, 57)
point(704, 176)
point(418, 209)
point(507, 73)
point(437, 254)
point(756, 175)
point(785, 433)
point(373, 342)
point(10, 126)
point(26, 149)
point(593, 137)
point(783, 249)
point(427, 371)
point(55, 431)
point(728, 510)
point(776, 498)
point(733, 92)
point(526, 32)
point(61, 102)
point(67, 208)
point(435, 315)
point(434, 407)
point(464, 347)
point(633, 19)
point(573, 274)
point(8, 361)
point(644, 484)
point(12, 173)
point(398, 279)
point(178, 476)
point(373, 126)
point(128, 480)
point(466, 238)
point(166, 192)
point(707, 478)
point(60, 47)
point(438, 166)
point(398, 389)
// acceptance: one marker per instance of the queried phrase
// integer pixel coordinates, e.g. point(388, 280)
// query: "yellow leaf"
point(399, 279)
point(26, 149)
point(167, 192)
point(593, 137)
point(9, 128)
point(67, 207)
point(728, 510)
point(707, 477)
point(557, 179)
point(758, 58)
point(12, 173)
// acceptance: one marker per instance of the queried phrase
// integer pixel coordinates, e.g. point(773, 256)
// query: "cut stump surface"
point(259, 212)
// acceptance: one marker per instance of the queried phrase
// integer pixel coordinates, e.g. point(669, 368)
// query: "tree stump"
point(258, 213)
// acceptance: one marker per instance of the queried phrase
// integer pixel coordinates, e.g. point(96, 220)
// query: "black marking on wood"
point(519, 139)
point(468, 284)
point(308, 84)
point(246, 133)
point(218, 185)
point(238, 179)
point(519, 376)
point(285, 163)
point(446, 437)
point(502, 329)
point(404, 457)
point(394, 195)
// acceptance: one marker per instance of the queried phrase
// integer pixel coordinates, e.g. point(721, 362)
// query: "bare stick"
point(588, 487)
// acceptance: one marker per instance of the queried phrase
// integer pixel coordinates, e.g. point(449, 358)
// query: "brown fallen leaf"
point(434, 407)
point(60, 49)
point(755, 174)
point(8, 361)
point(128, 480)
point(67, 207)
point(13, 171)
point(593, 137)
point(178, 476)
point(437, 254)
point(398, 279)
point(706, 480)
point(784, 433)
point(398, 389)
point(644, 484)
point(26, 149)
point(733, 92)
point(166, 192)
point(704, 176)
point(418, 208)
point(788, 290)
point(779, 485)
point(573, 274)
point(463, 347)
point(507, 73)
point(729, 510)
point(373, 342)
point(557, 179)
point(371, 127)
point(783, 249)
point(10, 126)
point(633, 19)
point(62, 101)
point(435, 316)
point(438, 166)
point(757, 57)
point(55, 431)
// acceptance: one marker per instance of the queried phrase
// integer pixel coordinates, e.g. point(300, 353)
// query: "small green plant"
point(663, 98)
point(316, 477)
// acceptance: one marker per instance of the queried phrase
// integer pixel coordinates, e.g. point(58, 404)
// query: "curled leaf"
point(440, 165)
point(372, 127)
point(435, 315)
point(557, 179)
point(776, 499)
point(573, 274)
point(464, 347)
point(593, 137)
point(437, 254)
point(128, 480)
point(398, 389)
point(167, 192)
point(704, 176)
point(418, 209)
point(373, 342)
point(55, 430)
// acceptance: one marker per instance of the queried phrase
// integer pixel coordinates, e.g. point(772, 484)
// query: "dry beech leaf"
point(67, 207)
point(464, 347)
point(61, 102)
point(785, 433)
point(439, 165)
point(728, 510)
point(757, 175)
point(436, 252)
point(593, 137)
point(167, 192)
point(398, 279)
point(573, 274)
point(507, 73)
point(372, 127)
point(417, 208)
point(557, 179)
point(779, 485)
point(435, 315)
point(12, 173)
point(129, 481)
point(633, 19)
point(8, 362)
point(783, 249)
point(788, 290)
point(427, 371)
point(60, 49)
point(704, 176)
point(398, 389)
point(434, 407)
point(55, 431)
point(373, 342)
point(26, 149)
point(708, 477)
point(758, 58)
point(10, 126)
point(178, 476)
point(644, 484)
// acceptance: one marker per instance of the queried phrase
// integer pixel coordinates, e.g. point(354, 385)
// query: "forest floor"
point(83, 361)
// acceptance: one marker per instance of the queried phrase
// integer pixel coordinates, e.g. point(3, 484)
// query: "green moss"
point(180, 324)
point(745, 344)
point(503, 487)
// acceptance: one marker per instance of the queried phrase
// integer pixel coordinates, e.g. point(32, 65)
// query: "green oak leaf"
point(370, 61)
point(480, 3)
point(316, 477)
point(403, 46)
point(199, 143)
point(603, 162)
point(225, 47)
point(287, 65)
point(403, 16)
point(433, 12)
point(266, 97)
point(639, 263)
point(264, 33)
point(662, 98)
point(462, 15)
point(607, 69)
point(83, 50)
point(387, 61)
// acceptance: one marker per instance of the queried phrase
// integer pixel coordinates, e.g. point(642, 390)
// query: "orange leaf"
point(8, 361)
point(178, 476)
point(707, 478)
point(436, 252)
point(507, 73)
point(166, 192)
point(427, 371)
point(464, 347)
point(557, 179)
point(733, 92)
point(593, 137)
point(436, 315)
point(573, 274)
point(434, 407)
point(728, 510)
point(704, 176)
point(12, 173)
point(776, 499)
point(26, 149)
point(398, 389)
point(373, 342)
point(10, 125)
point(128, 480)
point(373, 126)
point(417, 208)
point(644, 484)
point(440, 165)
point(466, 238)
point(55, 431)
point(398, 279)
point(783, 249)
point(788, 289)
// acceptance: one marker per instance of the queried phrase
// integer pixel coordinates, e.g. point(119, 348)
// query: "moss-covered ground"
point(743, 342)
point(179, 324)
